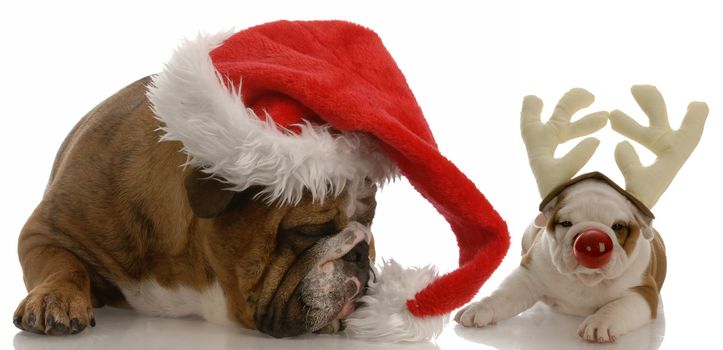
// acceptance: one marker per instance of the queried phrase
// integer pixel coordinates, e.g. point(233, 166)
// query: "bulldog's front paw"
point(598, 329)
point(477, 314)
point(54, 311)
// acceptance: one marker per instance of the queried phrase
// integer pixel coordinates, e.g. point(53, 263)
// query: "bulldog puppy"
point(617, 297)
point(123, 223)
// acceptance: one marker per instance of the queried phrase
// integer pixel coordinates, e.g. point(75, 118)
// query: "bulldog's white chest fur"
point(150, 298)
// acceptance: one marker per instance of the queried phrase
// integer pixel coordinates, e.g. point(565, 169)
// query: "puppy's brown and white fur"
point(617, 298)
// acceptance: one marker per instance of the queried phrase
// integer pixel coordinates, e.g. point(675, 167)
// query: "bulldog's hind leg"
point(515, 294)
point(616, 318)
point(58, 301)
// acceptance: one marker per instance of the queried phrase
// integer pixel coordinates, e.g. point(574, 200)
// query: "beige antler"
point(541, 139)
point(672, 148)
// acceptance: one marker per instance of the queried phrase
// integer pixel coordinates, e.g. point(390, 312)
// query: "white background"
point(469, 67)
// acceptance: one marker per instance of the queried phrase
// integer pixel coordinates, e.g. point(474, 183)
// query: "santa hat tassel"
point(384, 315)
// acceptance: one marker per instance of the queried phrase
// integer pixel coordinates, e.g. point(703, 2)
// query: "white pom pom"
point(384, 316)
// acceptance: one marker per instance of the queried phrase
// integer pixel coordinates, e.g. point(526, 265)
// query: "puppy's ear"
point(207, 196)
point(646, 224)
point(540, 220)
point(546, 214)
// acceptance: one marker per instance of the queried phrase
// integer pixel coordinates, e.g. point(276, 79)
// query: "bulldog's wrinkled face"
point(320, 266)
point(593, 204)
point(293, 269)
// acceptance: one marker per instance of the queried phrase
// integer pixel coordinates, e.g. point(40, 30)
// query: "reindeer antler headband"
point(643, 184)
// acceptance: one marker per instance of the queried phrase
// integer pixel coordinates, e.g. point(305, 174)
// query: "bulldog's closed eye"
point(302, 237)
point(315, 230)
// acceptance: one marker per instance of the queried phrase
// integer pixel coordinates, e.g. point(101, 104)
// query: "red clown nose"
point(593, 248)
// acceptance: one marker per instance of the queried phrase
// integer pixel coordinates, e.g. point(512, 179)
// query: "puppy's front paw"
point(598, 329)
point(477, 314)
point(54, 311)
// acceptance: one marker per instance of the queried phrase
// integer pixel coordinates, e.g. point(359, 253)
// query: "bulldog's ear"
point(208, 196)
point(546, 214)
point(646, 224)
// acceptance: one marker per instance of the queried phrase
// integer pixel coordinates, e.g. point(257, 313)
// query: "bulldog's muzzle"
point(329, 289)
point(337, 271)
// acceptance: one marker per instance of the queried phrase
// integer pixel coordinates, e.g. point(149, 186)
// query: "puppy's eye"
point(565, 223)
point(617, 227)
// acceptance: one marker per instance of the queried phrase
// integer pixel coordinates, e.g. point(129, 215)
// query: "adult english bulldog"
point(592, 251)
point(239, 185)
point(121, 223)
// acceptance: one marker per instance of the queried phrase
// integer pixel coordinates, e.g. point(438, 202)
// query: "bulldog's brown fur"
point(119, 209)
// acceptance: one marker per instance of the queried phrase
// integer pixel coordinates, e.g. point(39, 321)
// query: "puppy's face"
point(300, 267)
point(593, 204)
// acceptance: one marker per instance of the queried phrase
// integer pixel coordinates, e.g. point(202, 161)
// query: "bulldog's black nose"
point(358, 255)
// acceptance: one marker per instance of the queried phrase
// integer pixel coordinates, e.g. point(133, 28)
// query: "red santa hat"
point(314, 106)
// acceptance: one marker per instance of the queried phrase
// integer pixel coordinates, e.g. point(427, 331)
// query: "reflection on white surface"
point(541, 328)
point(122, 329)
point(537, 328)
